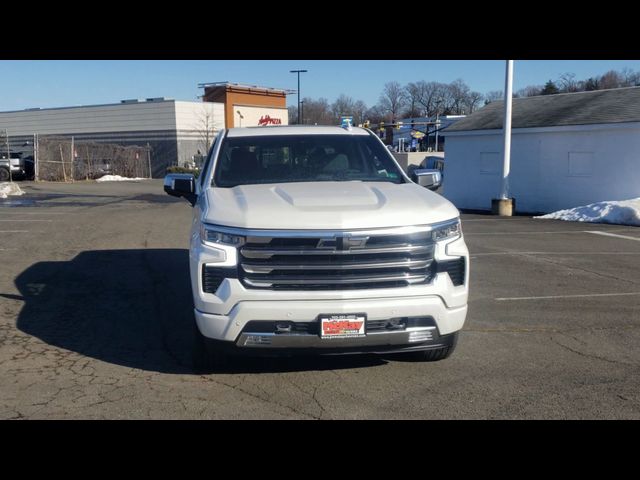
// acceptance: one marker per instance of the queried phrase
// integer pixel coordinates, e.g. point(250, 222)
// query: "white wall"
point(91, 119)
point(192, 119)
point(125, 117)
point(551, 168)
point(193, 115)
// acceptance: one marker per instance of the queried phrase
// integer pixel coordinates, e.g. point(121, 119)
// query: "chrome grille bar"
point(411, 264)
point(389, 258)
point(270, 252)
point(333, 280)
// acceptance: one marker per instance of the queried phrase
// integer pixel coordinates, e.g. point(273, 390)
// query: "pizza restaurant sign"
point(268, 120)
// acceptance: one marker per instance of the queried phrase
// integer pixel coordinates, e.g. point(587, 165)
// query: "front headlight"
point(213, 237)
point(447, 231)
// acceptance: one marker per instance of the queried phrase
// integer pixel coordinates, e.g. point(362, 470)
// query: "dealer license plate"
point(343, 325)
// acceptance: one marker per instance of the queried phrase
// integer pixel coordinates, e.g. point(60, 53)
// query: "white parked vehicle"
point(313, 240)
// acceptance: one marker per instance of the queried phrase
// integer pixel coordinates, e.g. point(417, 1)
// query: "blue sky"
point(53, 83)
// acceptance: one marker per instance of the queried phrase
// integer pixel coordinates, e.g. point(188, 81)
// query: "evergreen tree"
point(549, 88)
point(591, 84)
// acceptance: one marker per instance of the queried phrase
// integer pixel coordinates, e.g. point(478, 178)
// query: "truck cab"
point(312, 240)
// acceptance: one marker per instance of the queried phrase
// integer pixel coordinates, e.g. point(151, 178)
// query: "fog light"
point(420, 336)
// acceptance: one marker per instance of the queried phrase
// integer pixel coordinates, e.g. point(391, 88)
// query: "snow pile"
point(624, 212)
point(118, 178)
point(7, 189)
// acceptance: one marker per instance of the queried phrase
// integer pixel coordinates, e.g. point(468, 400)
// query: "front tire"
point(4, 174)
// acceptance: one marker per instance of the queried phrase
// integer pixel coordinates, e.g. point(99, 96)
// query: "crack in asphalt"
point(258, 397)
point(591, 356)
point(315, 399)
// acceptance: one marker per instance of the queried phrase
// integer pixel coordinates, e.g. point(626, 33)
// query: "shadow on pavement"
point(83, 200)
point(133, 308)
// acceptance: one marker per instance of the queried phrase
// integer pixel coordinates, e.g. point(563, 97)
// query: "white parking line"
point(552, 297)
point(43, 212)
point(26, 220)
point(14, 231)
point(626, 237)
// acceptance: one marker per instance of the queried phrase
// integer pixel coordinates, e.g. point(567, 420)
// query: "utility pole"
point(149, 159)
point(503, 206)
point(36, 166)
point(6, 139)
point(437, 125)
point(298, 72)
point(73, 157)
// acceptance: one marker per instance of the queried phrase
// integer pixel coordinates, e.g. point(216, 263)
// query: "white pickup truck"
point(311, 239)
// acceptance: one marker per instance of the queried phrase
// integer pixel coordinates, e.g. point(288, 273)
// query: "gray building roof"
point(582, 108)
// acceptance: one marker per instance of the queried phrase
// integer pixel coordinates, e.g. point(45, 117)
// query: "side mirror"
point(428, 178)
point(181, 185)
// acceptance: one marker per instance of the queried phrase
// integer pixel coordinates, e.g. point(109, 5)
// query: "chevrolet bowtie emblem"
point(342, 243)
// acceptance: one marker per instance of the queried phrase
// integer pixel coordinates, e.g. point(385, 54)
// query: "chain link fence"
point(62, 159)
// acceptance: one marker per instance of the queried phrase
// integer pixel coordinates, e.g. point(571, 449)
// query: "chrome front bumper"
point(382, 340)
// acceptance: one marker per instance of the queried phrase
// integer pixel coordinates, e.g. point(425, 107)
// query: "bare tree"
point(446, 101)
point(317, 112)
point(393, 99)
point(430, 94)
point(293, 114)
point(458, 92)
point(359, 112)
point(629, 77)
point(414, 96)
point(528, 91)
point(206, 128)
point(492, 96)
point(343, 106)
point(377, 114)
point(472, 102)
point(567, 83)
point(611, 79)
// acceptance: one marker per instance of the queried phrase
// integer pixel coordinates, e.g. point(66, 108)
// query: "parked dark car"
point(18, 168)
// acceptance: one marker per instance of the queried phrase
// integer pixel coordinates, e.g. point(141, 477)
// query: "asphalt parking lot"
point(96, 323)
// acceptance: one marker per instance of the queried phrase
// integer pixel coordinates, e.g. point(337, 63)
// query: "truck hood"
point(326, 206)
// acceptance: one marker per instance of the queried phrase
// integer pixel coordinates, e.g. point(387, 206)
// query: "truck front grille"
point(337, 262)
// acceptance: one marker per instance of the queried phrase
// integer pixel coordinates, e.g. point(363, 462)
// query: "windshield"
point(304, 158)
